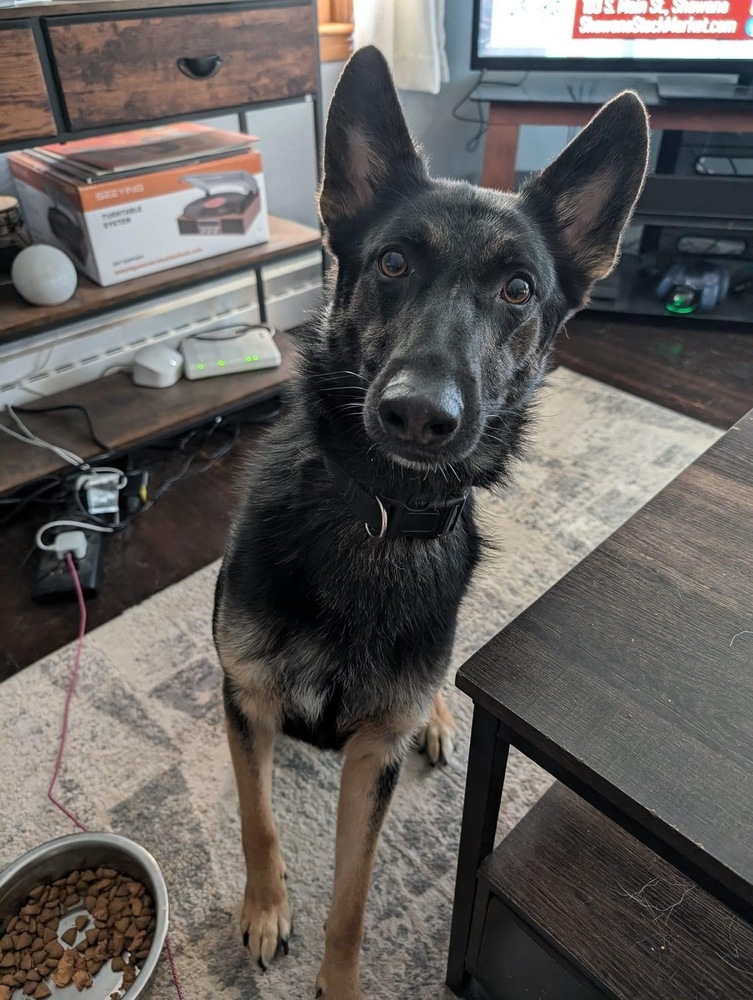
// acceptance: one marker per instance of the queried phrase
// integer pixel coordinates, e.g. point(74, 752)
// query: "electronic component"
point(53, 582)
point(247, 350)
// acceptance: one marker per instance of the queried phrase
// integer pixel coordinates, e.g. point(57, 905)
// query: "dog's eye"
point(517, 290)
point(392, 264)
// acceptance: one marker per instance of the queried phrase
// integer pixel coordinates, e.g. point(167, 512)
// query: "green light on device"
point(249, 358)
point(254, 357)
point(221, 364)
point(683, 302)
point(200, 367)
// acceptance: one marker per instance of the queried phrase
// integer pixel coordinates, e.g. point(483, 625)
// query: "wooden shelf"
point(610, 907)
point(126, 416)
point(19, 319)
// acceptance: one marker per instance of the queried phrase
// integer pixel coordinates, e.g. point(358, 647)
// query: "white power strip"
point(226, 352)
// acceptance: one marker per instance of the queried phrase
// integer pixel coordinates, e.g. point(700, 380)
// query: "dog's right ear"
point(368, 152)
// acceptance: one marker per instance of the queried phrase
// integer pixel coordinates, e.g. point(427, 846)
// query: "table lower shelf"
point(571, 907)
point(126, 416)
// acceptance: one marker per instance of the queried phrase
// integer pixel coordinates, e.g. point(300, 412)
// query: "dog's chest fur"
point(338, 628)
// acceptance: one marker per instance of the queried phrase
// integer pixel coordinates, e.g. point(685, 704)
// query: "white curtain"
point(411, 35)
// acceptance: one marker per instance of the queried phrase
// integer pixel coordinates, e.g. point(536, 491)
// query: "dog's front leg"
point(265, 921)
point(369, 775)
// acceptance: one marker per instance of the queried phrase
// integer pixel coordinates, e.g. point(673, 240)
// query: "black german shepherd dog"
point(337, 599)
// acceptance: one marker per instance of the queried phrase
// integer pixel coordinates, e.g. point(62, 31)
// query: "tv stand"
point(699, 88)
point(668, 201)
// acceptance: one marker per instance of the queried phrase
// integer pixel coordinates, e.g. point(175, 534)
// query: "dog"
point(356, 539)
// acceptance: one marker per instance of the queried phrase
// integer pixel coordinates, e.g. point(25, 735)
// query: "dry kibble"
point(54, 948)
point(123, 921)
point(70, 936)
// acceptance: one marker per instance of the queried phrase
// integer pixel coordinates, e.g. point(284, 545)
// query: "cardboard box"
point(135, 203)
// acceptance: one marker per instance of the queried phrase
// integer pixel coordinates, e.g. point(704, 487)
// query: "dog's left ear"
point(585, 198)
point(369, 155)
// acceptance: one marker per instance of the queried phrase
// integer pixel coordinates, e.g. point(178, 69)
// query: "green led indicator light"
point(254, 357)
point(221, 363)
point(200, 367)
point(249, 358)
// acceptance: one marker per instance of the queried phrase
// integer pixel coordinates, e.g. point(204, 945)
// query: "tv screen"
point(620, 35)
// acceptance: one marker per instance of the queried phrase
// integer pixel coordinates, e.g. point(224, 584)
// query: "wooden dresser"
point(75, 69)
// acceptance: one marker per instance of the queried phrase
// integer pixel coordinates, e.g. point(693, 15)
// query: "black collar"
point(385, 518)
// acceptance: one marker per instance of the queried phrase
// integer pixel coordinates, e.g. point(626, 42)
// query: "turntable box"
point(141, 222)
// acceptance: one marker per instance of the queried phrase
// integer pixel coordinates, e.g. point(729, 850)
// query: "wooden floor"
point(704, 374)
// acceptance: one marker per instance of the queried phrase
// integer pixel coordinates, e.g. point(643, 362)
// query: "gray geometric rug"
point(147, 755)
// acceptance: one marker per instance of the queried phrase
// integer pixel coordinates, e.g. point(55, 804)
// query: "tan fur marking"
point(266, 914)
point(357, 836)
point(440, 732)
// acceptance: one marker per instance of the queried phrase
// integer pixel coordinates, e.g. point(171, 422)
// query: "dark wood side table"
point(631, 681)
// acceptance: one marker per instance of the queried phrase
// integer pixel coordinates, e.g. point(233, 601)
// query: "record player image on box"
point(229, 208)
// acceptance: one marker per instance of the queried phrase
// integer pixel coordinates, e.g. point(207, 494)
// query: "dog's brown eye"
point(517, 290)
point(393, 264)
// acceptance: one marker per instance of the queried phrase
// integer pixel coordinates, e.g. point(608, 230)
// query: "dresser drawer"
point(142, 68)
point(24, 106)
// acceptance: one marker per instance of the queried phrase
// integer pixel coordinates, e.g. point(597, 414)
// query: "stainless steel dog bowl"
point(89, 850)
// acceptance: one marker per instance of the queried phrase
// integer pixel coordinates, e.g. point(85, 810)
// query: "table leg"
point(501, 151)
point(487, 763)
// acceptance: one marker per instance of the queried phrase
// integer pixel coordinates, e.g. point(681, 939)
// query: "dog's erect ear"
point(584, 199)
point(368, 151)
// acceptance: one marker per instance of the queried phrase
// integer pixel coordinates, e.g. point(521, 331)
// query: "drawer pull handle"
point(200, 67)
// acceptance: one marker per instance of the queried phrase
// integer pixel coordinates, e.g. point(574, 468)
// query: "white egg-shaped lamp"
point(44, 275)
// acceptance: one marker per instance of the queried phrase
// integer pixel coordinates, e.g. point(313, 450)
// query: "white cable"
point(82, 525)
point(73, 458)
point(29, 438)
point(238, 331)
point(37, 444)
point(98, 470)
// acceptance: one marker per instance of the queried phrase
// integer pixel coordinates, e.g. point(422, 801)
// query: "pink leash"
point(64, 736)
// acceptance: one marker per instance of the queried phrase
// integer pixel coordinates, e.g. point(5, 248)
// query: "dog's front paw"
point(337, 984)
point(437, 739)
point(266, 923)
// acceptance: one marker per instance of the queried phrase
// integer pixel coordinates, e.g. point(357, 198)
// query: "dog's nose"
point(420, 416)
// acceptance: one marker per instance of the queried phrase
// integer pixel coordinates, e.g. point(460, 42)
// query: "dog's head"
point(446, 297)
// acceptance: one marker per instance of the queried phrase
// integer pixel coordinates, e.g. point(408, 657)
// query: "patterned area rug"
point(147, 756)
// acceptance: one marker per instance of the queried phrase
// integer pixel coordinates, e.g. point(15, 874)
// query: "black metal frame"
point(491, 740)
point(579, 65)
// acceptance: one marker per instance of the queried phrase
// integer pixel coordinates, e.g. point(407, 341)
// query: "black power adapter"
point(53, 582)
